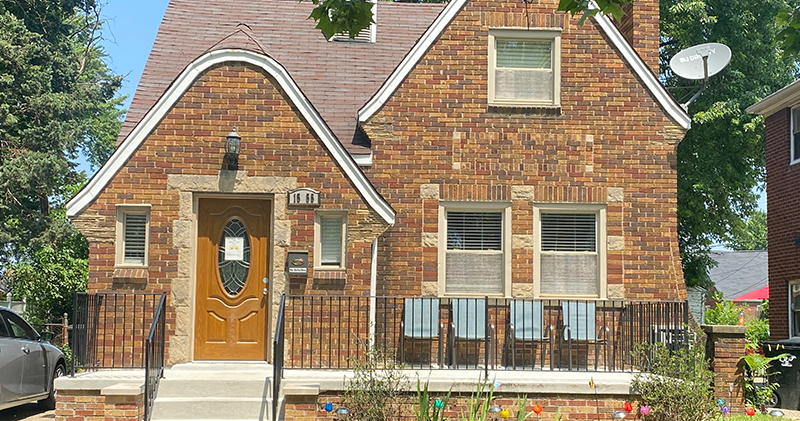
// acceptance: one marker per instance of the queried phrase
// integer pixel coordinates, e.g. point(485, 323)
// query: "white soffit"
point(117, 161)
point(786, 97)
point(673, 109)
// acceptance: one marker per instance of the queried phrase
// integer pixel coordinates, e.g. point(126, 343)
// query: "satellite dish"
point(689, 63)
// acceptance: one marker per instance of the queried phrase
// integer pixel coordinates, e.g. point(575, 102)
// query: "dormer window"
point(525, 67)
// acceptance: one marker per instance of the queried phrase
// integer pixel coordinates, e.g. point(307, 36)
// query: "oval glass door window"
point(234, 256)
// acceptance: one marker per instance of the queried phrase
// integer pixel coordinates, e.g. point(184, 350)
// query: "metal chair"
point(526, 324)
point(580, 324)
point(468, 323)
point(421, 322)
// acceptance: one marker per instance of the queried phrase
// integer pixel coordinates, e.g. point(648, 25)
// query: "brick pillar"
point(724, 348)
point(119, 402)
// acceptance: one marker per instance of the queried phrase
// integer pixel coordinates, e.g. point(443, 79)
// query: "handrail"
point(277, 357)
point(154, 356)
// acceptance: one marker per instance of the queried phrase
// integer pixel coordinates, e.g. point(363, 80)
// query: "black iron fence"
point(154, 356)
point(277, 357)
point(334, 332)
point(110, 329)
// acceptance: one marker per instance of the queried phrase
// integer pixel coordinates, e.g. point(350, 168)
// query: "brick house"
point(482, 148)
point(781, 112)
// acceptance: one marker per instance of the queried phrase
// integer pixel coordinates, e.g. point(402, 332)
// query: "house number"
point(304, 197)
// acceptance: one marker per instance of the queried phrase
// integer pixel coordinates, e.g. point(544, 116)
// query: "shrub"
point(374, 392)
point(677, 385)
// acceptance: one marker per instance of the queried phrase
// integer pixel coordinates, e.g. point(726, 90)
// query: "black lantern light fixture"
point(233, 145)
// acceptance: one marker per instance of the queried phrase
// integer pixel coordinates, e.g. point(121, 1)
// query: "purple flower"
point(726, 409)
point(644, 409)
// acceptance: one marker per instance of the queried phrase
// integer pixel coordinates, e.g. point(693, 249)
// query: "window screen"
point(331, 240)
point(569, 260)
point(474, 258)
point(524, 70)
point(135, 237)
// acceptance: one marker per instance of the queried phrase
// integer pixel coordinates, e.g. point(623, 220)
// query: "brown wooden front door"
point(232, 302)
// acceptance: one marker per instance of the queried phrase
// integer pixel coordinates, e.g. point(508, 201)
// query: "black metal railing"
point(154, 356)
point(277, 357)
point(109, 329)
point(334, 332)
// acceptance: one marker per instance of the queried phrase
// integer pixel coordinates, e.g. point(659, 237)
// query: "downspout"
point(373, 288)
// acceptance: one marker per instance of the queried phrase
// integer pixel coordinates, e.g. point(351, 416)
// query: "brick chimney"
point(640, 27)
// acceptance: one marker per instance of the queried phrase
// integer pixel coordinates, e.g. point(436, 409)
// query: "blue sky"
point(130, 31)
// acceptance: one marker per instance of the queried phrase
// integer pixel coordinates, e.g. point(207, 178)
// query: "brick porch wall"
point(94, 405)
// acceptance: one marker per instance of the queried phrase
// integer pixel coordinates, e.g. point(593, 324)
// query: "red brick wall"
point(438, 129)
point(640, 26)
point(78, 405)
point(783, 200)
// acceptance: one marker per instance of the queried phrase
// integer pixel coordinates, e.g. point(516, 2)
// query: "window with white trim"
point(474, 256)
point(525, 67)
point(794, 309)
point(330, 235)
point(795, 140)
point(570, 251)
point(133, 236)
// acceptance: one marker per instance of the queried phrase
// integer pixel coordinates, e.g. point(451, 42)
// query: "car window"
point(19, 328)
point(3, 327)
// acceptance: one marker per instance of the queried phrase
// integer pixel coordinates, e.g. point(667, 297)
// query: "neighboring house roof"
point(646, 76)
point(739, 272)
point(757, 295)
point(337, 77)
point(787, 96)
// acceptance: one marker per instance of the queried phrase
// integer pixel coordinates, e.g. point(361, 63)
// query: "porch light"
point(233, 145)
point(776, 413)
point(342, 413)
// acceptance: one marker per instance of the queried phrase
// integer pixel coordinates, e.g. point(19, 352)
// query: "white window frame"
point(553, 34)
point(789, 303)
point(454, 206)
point(318, 240)
point(122, 210)
point(600, 212)
point(792, 160)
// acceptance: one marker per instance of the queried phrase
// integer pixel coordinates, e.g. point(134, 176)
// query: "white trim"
point(672, 108)
point(363, 160)
point(789, 304)
point(792, 161)
point(410, 60)
point(785, 97)
point(553, 35)
point(95, 186)
point(318, 215)
point(124, 210)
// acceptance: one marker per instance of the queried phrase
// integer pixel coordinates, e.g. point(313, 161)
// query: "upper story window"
point(570, 250)
point(133, 236)
point(330, 235)
point(795, 141)
point(474, 250)
point(525, 67)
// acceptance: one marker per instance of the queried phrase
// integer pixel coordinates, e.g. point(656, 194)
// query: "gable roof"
point(739, 272)
point(337, 77)
point(788, 96)
point(648, 79)
point(148, 123)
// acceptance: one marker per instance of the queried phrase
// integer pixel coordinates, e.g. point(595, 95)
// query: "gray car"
point(28, 363)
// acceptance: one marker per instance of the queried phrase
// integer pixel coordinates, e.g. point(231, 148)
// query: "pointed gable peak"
point(242, 38)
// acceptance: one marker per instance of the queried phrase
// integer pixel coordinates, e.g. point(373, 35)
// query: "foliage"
point(724, 312)
point(584, 7)
point(375, 388)
point(750, 234)
point(521, 414)
point(67, 355)
point(721, 158)
point(758, 367)
point(677, 385)
point(480, 401)
point(424, 411)
point(57, 99)
point(50, 276)
point(757, 330)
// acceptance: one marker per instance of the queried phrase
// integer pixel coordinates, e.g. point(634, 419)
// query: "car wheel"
point(50, 401)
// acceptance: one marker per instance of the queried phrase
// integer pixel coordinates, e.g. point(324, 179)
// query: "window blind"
point(331, 240)
point(135, 238)
point(524, 70)
point(518, 54)
point(569, 232)
point(474, 230)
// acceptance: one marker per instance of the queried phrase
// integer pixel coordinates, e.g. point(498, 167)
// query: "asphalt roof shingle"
point(739, 272)
point(337, 77)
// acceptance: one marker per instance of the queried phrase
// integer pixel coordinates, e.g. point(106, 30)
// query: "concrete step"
point(230, 391)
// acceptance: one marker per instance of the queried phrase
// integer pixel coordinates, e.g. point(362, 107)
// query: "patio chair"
point(526, 324)
point(420, 322)
point(580, 324)
point(468, 323)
